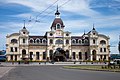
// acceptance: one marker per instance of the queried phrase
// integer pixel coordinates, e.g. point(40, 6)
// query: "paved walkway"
point(57, 73)
point(9, 64)
point(4, 70)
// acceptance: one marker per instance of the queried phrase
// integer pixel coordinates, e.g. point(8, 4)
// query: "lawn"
point(94, 68)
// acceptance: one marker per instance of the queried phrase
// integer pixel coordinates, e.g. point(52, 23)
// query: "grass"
point(93, 67)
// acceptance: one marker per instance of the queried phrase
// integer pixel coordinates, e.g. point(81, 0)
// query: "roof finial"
point(84, 32)
point(57, 12)
point(57, 7)
point(93, 27)
point(24, 25)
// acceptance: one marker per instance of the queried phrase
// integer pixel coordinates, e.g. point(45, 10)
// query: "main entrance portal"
point(59, 55)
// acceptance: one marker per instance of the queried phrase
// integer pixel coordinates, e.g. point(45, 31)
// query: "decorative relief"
point(37, 47)
point(76, 47)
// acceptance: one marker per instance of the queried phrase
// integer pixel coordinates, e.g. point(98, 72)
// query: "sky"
point(78, 16)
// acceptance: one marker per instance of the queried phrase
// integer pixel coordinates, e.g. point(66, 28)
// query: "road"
point(49, 72)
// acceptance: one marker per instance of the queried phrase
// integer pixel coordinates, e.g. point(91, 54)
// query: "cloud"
point(77, 15)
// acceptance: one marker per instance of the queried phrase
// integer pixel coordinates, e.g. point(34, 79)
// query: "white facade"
point(57, 45)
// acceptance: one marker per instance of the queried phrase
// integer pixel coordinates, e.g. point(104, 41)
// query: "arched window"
point(86, 41)
point(14, 41)
point(102, 42)
point(44, 40)
point(80, 41)
point(37, 40)
point(67, 41)
point(73, 41)
point(58, 26)
point(59, 41)
point(31, 40)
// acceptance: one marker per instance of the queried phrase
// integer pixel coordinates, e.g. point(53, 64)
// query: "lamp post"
point(119, 45)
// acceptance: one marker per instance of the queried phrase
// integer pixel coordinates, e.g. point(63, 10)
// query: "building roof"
point(76, 37)
point(14, 34)
point(35, 37)
point(57, 20)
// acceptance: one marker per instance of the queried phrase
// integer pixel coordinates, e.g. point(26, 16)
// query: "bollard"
point(91, 62)
point(45, 62)
point(18, 62)
point(74, 62)
point(80, 62)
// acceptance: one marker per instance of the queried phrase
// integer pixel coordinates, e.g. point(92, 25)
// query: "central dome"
point(56, 21)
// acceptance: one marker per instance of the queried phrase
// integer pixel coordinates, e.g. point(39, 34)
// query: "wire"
point(47, 8)
point(41, 13)
point(44, 16)
point(54, 9)
point(64, 3)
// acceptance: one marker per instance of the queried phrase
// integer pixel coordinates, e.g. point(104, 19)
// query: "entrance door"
point(59, 55)
point(23, 54)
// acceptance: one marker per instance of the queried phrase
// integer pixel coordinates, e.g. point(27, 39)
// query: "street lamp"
point(119, 45)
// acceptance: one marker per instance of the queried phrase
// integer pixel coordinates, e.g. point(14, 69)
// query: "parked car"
point(115, 62)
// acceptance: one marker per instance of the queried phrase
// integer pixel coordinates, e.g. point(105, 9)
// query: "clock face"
point(58, 34)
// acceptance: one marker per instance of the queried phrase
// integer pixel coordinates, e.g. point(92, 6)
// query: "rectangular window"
point(44, 55)
point(11, 57)
point(37, 55)
point(74, 55)
point(100, 56)
point(11, 49)
point(23, 40)
point(15, 49)
point(104, 49)
point(100, 49)
point(93, 41)
point(15, 57)
point(80, 55)
point(104, 57)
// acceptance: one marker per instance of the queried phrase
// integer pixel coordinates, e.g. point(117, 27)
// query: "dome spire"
point(57, 14)
point(24, 25)
point(93, 27)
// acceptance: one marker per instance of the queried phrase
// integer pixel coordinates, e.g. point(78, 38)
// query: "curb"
point(91, 69)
